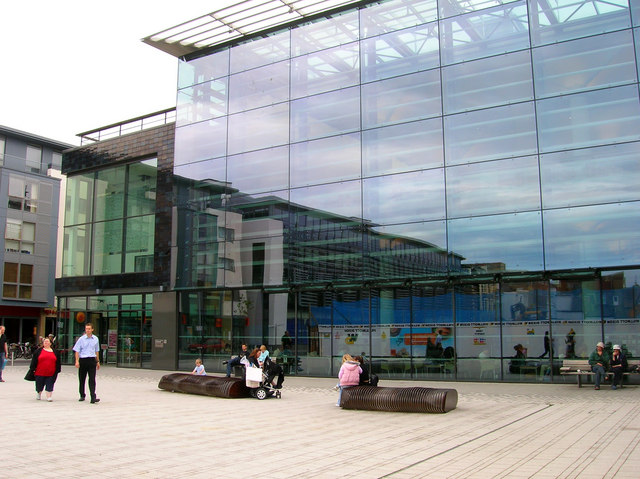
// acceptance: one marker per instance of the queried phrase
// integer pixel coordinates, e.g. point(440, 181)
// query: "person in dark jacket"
point(599, 362)
point(236, 361)
point(366, 379)
point(618, 366)
point(46, 366)
point(518, 360)
point(272, 370)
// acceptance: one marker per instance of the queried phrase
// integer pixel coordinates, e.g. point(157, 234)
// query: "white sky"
point(74, 65)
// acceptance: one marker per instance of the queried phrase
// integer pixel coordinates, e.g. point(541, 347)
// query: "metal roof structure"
point(236, 21)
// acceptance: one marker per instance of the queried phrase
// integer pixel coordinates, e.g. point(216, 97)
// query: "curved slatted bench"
point(413, 399)
point(222, 387)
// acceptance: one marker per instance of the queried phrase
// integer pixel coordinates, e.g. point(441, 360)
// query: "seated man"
point(599, 361)
point(244, 352)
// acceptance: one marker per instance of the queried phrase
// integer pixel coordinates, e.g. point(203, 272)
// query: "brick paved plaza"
point(140, 431)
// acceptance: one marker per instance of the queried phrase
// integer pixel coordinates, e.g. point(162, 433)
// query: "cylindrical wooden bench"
point(222, 387)
point(414, 399)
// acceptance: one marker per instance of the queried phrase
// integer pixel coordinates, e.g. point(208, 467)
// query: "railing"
point(138, 123)
point(19, 163)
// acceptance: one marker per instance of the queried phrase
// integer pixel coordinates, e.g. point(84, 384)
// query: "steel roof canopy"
point(236, 21)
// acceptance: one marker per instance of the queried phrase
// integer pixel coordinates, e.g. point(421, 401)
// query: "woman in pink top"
point(349, 374)
point(46, 366)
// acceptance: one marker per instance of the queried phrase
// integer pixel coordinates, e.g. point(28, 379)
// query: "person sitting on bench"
point(244, 352)
point(618, 366)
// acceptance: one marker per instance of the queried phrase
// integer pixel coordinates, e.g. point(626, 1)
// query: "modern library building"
point(425, 183)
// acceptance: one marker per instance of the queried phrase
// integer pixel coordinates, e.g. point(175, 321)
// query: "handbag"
point(254, 374)
point(30, 376)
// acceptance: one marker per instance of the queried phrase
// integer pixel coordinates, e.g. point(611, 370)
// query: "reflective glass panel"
point(566, 19)
point(621, 305)
point(505, 242)
point(201, 102)
point(505, 131)
point(257, 129)
point(263, 257)
point(400, 99)
point(586, 119)
point(488, 82)
point(635, 12)
point(260, 52)
point(325, 115)
point(595, 175)
point(430, 235)
point(79, 199)
point(139, 244)
point(326, 33)
point(586, 64)
point(203, 69)
point(332, 201)
point(77, 250)
point(399, 252)
point(325, 70)
point(592, 236)
point(636, 35)
point(576, 316)
point(485, 33)
point(457, 7)
point(259, 87)
point(526, 340)
point(400, 148)
point(107, 247)
point(477, 314)
point(330, 159)
point(109, 195)
point(262, 214)
point(324, 246)
point(213, 170)
point(397, 53)
point(390, 16)
point(417, 196)
point(262, 170)
point(407, 343)
point(493, 187)
point(207, 139)
point(141, 188)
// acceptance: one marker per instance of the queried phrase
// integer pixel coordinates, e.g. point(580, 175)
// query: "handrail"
point(161, 117)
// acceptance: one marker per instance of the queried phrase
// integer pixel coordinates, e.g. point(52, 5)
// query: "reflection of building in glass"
point(391, 178)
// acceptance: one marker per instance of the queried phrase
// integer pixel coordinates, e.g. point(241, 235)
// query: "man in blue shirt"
point(87, 349)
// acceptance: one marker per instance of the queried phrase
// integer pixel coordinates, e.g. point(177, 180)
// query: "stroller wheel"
point(261, 393)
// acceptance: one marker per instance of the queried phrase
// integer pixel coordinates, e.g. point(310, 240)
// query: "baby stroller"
point(259, 384)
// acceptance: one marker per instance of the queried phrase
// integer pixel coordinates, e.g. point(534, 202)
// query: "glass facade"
point(110, 221)
point(426, 184)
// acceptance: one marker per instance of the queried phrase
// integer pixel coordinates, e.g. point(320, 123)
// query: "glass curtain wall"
point(122, 323)
point(478, 333)
point(481, 146)
point(528, 343)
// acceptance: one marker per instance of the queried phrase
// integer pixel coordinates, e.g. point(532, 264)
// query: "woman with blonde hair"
point(349, 374)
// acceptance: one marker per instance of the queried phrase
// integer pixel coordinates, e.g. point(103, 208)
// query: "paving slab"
point(137, 430)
